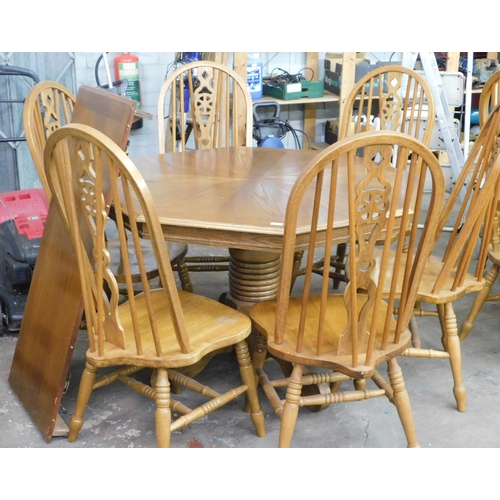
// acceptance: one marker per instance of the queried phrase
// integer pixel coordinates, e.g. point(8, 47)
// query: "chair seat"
point(203, 318)
point(432, 269)
point(263, 315)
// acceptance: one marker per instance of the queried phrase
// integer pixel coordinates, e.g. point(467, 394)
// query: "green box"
point(291, 91)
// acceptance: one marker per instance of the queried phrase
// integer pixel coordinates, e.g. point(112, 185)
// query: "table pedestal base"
point(253, 277)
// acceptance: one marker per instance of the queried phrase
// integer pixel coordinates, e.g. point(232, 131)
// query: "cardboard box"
point(333, 79)
point(331, 59)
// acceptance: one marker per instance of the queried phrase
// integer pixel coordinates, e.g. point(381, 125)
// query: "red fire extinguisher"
point(127, 66)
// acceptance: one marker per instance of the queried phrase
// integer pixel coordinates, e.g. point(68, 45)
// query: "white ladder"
point(443, 113)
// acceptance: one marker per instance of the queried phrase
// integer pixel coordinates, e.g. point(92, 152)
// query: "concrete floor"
point(118, 417)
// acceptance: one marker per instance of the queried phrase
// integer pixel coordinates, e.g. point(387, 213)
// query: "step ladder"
point(443, 113)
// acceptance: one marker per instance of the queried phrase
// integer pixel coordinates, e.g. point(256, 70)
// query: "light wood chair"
point(163, 328)
point(402, 101)
point(351, 333)
point(48, 106)
point(204, 105)
point(449, 275)
point(399, 96)
point(490, 98)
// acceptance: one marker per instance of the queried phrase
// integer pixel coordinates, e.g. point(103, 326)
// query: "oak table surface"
point(229, 197)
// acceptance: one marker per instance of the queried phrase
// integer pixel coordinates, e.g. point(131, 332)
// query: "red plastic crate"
point(28, 208)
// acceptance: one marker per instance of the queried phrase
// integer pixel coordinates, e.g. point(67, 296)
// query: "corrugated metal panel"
point(16, 166)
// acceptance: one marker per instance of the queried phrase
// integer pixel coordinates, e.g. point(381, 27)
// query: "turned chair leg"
point(248, 377)
point(341, 252)
point(297, 260)
point(184, 276)
point(481, 298)
point(259, 353)
point(453, 348)
point(84, 391)
point(359, 384)
point(291, 407)
point(415, 333)
point(402, 402)
point(163, 415)
point(441, 314)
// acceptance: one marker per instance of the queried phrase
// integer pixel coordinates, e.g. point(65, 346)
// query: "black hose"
point(96, 73)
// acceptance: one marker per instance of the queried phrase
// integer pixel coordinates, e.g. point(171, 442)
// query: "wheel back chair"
point(204, 105)
point(490, 98)
point(48, 106)
point(164, 329)
point(402, 101)
point(346, 336)
point(449, 274)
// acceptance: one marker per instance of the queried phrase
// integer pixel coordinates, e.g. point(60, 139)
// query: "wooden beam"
point(240, 62)
point(453, 61)
point(348, 73)
point(312, 61)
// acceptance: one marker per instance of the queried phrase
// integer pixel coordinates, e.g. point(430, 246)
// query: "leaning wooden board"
point(54, 307)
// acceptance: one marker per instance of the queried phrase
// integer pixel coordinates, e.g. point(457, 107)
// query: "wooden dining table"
point(231, 197)
point(234, 198)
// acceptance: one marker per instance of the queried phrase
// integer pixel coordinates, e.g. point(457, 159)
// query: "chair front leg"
point(291, 407)
point(163, 414)
point(84, 391)
point(402, 402)
point(249, 379)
